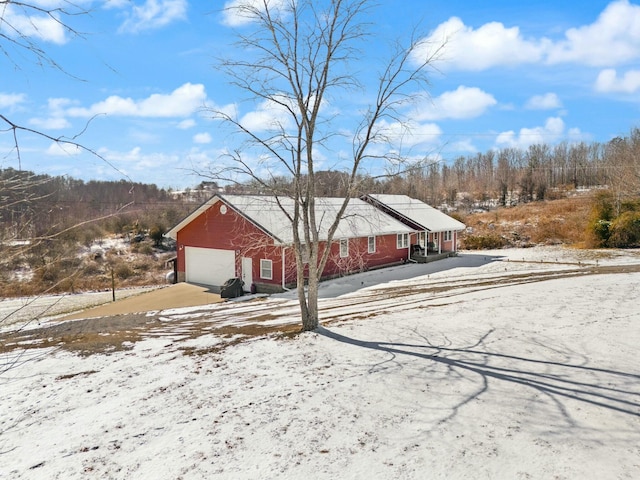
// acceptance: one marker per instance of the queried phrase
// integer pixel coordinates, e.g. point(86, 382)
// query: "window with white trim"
point(266, 269)
point(372, 245)
point(344, 247)
point(447, 236)
point(402, 240)
point(304, 252)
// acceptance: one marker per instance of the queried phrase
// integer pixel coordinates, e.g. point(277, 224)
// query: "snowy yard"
point(514, 364)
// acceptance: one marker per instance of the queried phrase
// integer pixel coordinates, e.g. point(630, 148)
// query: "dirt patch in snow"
point(111, 334)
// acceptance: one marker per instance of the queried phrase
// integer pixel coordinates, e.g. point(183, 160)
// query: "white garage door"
point(209, 266)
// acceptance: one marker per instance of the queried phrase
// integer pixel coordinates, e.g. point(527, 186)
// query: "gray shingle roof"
point(418, 212)
point(360, 219)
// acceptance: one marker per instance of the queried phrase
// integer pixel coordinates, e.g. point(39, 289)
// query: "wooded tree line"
point(47, 225)
point(41, 206)
point(500, 177)
point(509, 176)
point(35, 206)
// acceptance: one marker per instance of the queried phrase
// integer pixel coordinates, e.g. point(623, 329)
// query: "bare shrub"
point(611, 226)
point(144, 265)
point(92, 268)
point(123, 271)
point(483, 242)
point(625, 230)
point(144, 248)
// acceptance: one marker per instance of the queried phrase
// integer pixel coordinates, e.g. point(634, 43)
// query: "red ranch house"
point(250, 236)
point(436, 232)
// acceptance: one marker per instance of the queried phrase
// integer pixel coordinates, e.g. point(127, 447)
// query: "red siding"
point(232, 231)
point(229, 231)
point(359, 259)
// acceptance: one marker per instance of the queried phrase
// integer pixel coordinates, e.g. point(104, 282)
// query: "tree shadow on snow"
point(569, 379)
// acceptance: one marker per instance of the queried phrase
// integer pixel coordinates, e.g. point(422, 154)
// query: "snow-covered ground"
point(514, 364)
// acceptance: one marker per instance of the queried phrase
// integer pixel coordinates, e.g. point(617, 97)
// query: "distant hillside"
point(563, 221)
point(34, 205)
point(58, 234)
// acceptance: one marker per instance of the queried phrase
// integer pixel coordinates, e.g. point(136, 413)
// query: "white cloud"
point(8, 100)
point(202, 138)
point(51, 123)
point(186, 124)
point(464, 102)
point(547, 101)
point(608, 81)
point(182, 102)
point(57, 106)
point(552, 130)
point(489, 46)
point(465, 145)
point(57, 149)
point(612, 39)
point(408, 135)
point(57, 112)
point(136, 160)
point(153, 14)
point(267, 116)
point(31, 23)
point(236, 13)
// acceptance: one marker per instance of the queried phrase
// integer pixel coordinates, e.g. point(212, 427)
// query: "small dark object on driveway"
point(232, 288)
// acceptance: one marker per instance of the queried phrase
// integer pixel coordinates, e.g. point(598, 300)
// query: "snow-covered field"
point(512, 364)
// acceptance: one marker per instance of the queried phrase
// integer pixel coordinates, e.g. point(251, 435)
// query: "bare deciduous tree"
point(27, 29)
point(298, 56)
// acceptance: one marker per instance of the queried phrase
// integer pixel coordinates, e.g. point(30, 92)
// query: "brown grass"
point(118, 333)
point(562, 221)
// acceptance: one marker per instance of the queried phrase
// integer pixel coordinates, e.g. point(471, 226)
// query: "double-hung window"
point(266, 269)
point(402, 240)
point(372, 245)
point(344, 247)
point(304, 251)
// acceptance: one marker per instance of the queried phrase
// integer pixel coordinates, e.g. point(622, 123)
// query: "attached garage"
point(209, 266)
point(250, 236)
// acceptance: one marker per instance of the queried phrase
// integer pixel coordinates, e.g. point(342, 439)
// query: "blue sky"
point(511, 74)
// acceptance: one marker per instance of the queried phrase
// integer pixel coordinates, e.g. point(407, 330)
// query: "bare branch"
point(297, 57)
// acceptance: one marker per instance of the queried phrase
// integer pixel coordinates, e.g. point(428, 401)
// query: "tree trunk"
point(307, 296)
point(310, 317)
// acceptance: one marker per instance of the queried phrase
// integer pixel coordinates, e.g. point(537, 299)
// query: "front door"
point(247, 273)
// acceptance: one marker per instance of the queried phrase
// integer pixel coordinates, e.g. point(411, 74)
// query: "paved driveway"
point(173, 296)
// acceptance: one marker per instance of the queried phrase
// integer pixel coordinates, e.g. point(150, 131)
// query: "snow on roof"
point(360, 219)
point(270, 213)
point(419, 212)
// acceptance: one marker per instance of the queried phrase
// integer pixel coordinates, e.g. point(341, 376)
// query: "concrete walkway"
point(173, 296)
